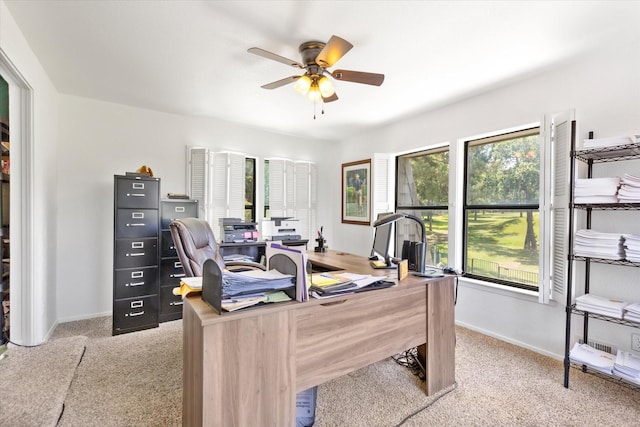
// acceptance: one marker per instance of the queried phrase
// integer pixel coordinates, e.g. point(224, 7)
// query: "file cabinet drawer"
point(132, 253)
point(167, 249)
point(135, 313)
point(177, 209)
point(171, 272)
point(136, 223)
point(137, 193)
point(170, 304)
point(135, 282)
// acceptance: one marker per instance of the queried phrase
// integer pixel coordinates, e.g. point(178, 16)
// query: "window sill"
point(498, 289)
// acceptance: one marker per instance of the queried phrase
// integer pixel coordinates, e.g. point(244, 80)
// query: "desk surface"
point(248, 365)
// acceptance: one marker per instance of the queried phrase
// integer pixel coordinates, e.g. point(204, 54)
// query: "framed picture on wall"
point(356, 194)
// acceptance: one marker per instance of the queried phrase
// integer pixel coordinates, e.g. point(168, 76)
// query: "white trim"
point(23, 316)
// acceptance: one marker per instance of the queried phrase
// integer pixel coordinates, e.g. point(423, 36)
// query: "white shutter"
point(557, 134)
point(290, 188)
point(198, 175)
point(237, 177)
point(276, 188)
point(382, 184)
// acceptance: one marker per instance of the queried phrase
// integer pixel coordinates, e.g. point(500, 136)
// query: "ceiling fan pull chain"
point(314, 110)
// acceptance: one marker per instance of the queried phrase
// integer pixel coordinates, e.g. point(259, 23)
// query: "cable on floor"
point(417, 411)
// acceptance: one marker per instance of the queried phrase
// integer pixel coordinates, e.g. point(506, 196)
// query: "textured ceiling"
point(190, 57)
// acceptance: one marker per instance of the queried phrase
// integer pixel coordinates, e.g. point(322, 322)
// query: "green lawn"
point(493, 236)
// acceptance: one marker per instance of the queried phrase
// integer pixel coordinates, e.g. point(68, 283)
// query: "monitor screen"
point(382, 240)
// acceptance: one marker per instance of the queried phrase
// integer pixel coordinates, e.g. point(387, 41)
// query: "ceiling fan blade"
point(281, 82)
point(331, 98)
point(358, 77)
point(335, 49)
point(274, 57)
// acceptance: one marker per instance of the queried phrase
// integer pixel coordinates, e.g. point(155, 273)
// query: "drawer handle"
point(136, 254)
point(137, 274)
point(178, 275)
point(329, 304)
point(134, 284)
point(136, 194)
point(140, 313)
point(179, 208)
point(176, 303)
point(138, 224)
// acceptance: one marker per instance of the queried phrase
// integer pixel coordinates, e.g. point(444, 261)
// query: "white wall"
point(99, 140)
point(604, 90)
point(33, 311)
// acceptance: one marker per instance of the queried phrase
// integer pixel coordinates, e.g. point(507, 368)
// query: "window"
point(501, 209)
point(250, 190)
point(422, 190)
point(267, 214)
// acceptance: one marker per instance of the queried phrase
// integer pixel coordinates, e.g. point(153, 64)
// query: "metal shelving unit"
point(591, 157)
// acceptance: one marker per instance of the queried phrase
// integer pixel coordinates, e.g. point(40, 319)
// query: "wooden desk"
point(245, 368)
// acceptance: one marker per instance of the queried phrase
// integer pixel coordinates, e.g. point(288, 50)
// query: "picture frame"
point(356, 192)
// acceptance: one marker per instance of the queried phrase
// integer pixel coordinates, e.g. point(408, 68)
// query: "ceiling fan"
point(317, 57)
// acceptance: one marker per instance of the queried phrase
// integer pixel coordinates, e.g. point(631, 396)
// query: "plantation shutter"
point(276, 188)
point(558, 131)
point(216, 180)
point(382, 184)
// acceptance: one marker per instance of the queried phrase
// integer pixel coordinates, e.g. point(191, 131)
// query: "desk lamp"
point(421, 256)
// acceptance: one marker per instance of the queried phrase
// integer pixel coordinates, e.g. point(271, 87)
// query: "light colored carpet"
point(127, 380)
point(34, 381)
point(136, 380)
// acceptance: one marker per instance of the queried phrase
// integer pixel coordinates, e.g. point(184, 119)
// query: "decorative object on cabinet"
point(171, 270)
point(135, 253)
point(596, 306)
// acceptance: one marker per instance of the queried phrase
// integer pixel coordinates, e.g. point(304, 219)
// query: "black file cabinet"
point(171, 270)
point(136, 253)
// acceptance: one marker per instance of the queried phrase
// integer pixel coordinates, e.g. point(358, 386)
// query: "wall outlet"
point(635, 342)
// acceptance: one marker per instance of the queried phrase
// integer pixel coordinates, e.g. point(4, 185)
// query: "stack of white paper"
point(632, 312)
point(629, 191)
point(601, 305)
point(632, 247)
point(596, 359)
point(627, 366)
point(595, 244)
point(608, 142)
point(597, 190)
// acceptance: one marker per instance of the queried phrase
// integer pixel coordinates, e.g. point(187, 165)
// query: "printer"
point(281, 228)
point(236, 230)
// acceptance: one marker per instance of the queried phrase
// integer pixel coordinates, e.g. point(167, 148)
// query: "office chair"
point(195, 243)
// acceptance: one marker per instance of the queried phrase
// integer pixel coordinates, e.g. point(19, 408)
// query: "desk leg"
point(438, 354)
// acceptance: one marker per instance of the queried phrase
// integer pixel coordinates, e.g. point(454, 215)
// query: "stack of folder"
point(597, 190)
point(596, 359)
point(610, 142)
point(632, 312)
point(600, 305)
point(632, 247)
point(629, 191)
point(627, 366)
point(591, 243)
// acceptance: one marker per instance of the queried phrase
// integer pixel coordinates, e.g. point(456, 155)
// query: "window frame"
point(468, 208)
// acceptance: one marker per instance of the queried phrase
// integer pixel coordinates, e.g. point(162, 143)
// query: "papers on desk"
point(327, 285)
point(244, 289)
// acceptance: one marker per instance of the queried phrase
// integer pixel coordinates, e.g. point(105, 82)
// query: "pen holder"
point(320, 247)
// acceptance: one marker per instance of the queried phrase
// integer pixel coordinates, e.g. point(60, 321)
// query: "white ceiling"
point(190, 57)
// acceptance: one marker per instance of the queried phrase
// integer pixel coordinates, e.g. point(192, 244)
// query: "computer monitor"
point(382, 241)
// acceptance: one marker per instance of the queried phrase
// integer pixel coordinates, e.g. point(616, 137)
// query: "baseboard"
point(511, 341)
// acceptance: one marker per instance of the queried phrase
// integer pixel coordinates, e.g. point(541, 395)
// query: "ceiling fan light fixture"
point(326, 87)
point(303, 84)
point(314, 93)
